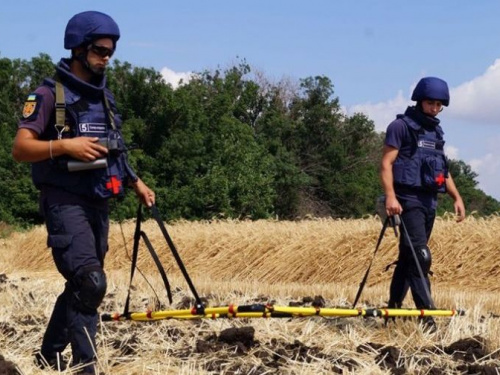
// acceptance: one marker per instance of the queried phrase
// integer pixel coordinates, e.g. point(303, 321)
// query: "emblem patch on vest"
point(31, 106)
point(92, 127)
point(427, 144)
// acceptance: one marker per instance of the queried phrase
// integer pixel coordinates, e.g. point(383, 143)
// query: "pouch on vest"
point(434, 173)
point(408, 172)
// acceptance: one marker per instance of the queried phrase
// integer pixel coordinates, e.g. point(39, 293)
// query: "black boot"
point(52, 362)
point(428, 324)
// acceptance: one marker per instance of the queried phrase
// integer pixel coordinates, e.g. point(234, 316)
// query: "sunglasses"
point(101, 51)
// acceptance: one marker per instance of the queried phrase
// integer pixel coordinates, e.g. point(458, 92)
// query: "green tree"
point(475, 199)
point(209, 162)
point(354, 183)
point(225, 144)
point(19, 199)
point(275, 131)
point(336, 152)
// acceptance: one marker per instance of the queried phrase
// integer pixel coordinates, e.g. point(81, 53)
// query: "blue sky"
point(373, 51)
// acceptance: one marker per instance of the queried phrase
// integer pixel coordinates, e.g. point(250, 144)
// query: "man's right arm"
point(394, 137)
point(29, 148)
point(392, 205)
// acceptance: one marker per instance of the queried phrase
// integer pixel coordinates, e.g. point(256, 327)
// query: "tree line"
point(228, 143)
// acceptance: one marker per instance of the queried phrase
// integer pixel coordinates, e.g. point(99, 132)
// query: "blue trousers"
point(419, 221)
point(78, 236)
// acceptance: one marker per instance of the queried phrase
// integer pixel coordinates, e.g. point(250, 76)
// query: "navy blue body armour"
point(86, 115)
point(426, 168)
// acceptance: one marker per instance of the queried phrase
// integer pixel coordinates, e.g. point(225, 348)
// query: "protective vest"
point(92, 116)
point(426, 168)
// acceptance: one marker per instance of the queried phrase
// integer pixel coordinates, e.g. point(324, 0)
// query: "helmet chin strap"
point(82, 57)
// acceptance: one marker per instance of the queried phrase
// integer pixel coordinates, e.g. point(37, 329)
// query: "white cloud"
point(474, 101)
point(478, 99)
point(478, 164)
point(175, 78)
point(382, 113)
point(451, 152)
point(488, 168)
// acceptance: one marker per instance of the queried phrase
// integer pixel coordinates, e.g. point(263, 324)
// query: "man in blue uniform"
point(413, 171)
point(71, 133)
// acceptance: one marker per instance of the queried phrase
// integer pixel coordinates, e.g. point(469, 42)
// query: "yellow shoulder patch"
point(31, 106)
point(29, 109)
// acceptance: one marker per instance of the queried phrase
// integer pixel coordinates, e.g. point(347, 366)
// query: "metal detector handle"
point(395, 221)
point(77, 165)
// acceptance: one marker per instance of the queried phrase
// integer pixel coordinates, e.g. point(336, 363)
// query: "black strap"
point(365, 278)
point(390, 265)
point(157, 217)
point(60, 105)
point(158, 265)
point(137, 236)
point(419, 268)
point(140, 234)
point(110, 113)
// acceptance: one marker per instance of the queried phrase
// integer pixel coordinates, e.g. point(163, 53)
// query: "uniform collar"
point(94, 89)
point(421, 118)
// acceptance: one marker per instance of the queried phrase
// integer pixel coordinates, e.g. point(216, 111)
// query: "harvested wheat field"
point(302, 263)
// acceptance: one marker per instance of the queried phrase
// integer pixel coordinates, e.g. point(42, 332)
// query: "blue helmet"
point(432, 88)
point(85, 27)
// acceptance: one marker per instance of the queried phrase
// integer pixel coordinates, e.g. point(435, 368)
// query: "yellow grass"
point(311, 252)
point(245, 262)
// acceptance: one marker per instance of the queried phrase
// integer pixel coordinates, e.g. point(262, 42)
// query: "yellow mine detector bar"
point(269, 311)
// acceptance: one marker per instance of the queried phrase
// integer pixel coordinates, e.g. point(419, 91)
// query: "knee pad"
point(89, 288)
point(424, 259)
